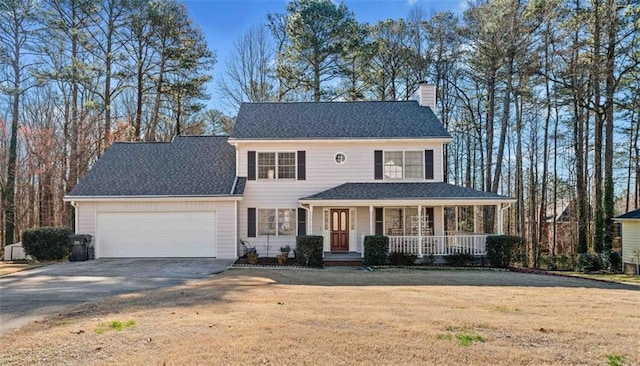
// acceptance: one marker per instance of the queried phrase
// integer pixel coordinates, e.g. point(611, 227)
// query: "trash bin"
point(80, 247)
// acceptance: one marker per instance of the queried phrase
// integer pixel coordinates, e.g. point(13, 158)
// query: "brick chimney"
point(426, 95)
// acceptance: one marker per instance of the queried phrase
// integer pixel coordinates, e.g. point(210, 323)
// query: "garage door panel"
point(156, 234)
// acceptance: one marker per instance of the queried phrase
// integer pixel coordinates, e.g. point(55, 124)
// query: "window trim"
point(294, 224)
point(404, 164)
point(275, 173)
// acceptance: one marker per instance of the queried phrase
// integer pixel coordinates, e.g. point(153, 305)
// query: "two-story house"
point(342, 170)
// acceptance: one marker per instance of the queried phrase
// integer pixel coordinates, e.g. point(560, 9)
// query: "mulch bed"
point(266, 261)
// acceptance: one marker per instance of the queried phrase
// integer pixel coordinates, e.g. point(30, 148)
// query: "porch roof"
point(433, 192)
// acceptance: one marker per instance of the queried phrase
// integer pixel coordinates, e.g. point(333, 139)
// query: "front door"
point(340, 230)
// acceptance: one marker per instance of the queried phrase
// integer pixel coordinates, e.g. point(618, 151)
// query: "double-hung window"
point(276, 165)
point(403, 165)
point(276, 221)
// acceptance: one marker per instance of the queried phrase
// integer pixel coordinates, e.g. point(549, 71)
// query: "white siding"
point(225, 217)
point(322, 170)
point(322, 173)
point(426, 96)
point(630, 240)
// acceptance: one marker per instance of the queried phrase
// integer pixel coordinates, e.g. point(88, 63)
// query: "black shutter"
point(302, 165)
point(379, 221)
point(377, 157)
point(251, 165)
point(251, 222)
point(428, 164)
point(429, 212)
point(302, 221)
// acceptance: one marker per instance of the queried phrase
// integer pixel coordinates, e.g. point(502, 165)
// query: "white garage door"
point(155, 234)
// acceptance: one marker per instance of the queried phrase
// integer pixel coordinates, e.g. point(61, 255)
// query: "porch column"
point(372, 229)
point(475, 219)
point(457, 218)
point(310, 223)
point(419, 230)
point(499, 219)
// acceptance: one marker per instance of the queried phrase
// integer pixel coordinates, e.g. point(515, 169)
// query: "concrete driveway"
point(33, 294)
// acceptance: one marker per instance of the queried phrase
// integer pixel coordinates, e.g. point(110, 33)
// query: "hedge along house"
point(341, 170)
point(630, 241)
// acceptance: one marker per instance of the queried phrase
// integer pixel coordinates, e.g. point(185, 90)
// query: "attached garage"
point(161, 200)
point(155, 234)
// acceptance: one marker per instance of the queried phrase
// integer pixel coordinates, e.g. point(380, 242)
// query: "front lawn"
point(346, 317)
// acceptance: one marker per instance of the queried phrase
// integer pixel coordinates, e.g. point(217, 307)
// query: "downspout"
point(76, 219)
point(502, 217)
point(233, 186)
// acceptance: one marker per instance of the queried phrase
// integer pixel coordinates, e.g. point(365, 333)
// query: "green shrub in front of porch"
point(504, 250)
point(402, 259)
point(376, 249)
point(309, 250)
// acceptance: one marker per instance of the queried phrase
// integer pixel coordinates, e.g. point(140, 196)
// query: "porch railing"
point(439, 244)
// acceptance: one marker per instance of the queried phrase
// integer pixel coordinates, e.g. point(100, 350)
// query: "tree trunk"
point(608, 150)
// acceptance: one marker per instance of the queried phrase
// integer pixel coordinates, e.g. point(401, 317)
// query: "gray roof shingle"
point(630, 215)
point(187, 166)
point(402, 190)
point(336, 120)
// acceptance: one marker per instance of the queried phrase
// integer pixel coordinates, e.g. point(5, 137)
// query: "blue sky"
point(223, 21)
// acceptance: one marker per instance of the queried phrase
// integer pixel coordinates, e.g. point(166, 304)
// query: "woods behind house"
point(542, 96)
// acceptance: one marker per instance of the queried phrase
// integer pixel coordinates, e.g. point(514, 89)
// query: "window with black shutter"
point(378, 166)
point(428, 164)
point(302, 165)
point(251, 222)
point(251, 165)
point(302, 221)
point(379, 221)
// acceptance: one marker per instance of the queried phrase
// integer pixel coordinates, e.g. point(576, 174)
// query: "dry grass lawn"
point(329, 317)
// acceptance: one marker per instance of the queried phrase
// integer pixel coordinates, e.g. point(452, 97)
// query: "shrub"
point(376, 249)
point(504, 250)
point(591, 262)
point(459, 260)
point(47, 243)
point(309, 250)
point(402, 259)
point(615, 261)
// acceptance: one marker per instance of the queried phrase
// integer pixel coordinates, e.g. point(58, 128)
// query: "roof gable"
point(187, 166)
point(337, 120)
point(630, 215)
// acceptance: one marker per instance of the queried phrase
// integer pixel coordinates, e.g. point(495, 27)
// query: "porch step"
point(342, 259)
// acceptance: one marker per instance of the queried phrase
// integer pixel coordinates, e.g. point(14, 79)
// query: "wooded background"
point(541, 96)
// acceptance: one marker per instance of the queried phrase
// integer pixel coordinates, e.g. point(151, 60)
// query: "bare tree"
point(249, 74)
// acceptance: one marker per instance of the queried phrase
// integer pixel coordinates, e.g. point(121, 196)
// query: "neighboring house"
point(342, 170)
point(630, 241)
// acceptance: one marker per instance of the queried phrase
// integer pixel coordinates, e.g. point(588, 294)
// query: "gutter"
point(221, 197)
point(233, 187)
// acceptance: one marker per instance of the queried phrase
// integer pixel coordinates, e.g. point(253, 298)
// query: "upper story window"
point(280, 165)
point(403, 165)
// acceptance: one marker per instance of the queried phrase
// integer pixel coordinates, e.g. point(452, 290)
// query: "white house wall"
point(630, 241)
point(225, 217)
point(322, 173)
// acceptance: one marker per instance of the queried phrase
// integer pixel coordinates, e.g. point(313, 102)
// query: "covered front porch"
point(424, 226)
